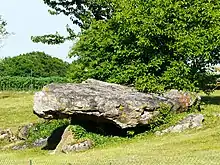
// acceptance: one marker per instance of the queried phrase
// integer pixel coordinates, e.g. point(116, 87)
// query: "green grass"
point(196, 147)
point(16, 109)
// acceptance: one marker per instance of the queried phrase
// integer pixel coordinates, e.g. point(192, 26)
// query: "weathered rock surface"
point(106, 102)
point(13, 145)
point(82, 146)
point(40, 142)
point(7, 134)
point(23, 131)
point(22, 144)
point(69, 144)
point(191, 121)
point(67, 138)
point(20, 147)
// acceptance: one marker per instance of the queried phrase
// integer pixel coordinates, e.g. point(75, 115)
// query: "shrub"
point(27, 83)
point(45, 129)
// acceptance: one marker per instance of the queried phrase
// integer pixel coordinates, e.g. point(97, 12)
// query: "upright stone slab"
point(69, 144)
point(67, 138)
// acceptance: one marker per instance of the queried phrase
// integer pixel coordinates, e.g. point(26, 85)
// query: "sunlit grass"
point(196, 147)
point(16, 109)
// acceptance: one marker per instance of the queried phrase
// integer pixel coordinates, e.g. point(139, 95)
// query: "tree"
point(81, 13)
point(35, 64)
point(154, 45)
point(3, 32)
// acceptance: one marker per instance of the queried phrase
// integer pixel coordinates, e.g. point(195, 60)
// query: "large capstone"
point(105, 102)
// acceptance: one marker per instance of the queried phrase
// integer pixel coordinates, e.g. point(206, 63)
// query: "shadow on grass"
point(214, 100)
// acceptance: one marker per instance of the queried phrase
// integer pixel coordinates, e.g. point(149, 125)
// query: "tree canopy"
point(35, 64)
point(154, 45)
point(81, 13)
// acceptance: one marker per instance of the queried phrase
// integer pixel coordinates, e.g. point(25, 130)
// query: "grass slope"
point(16, 109)
point(197, 147)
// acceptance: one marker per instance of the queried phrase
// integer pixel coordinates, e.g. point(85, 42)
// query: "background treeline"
point(34, 64)
point(151, 45)
point(31, 71)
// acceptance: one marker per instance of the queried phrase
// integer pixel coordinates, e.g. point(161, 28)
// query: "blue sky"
point(28, 18)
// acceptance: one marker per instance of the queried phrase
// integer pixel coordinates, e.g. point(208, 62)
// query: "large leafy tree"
point(35, 64)
point(154, 44)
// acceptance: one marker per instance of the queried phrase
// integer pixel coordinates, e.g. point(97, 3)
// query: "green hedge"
point(27, 83)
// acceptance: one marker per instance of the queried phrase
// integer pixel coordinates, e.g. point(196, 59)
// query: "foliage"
point(164, 117)
point(3, 32)
point(45, 129)
point(79, 132)
point(33, 64)
point(82, 134)
point(153, 45)
point(81, 13)
point(27, 83)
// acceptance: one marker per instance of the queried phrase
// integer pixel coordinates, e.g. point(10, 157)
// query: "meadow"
point(196, 146)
